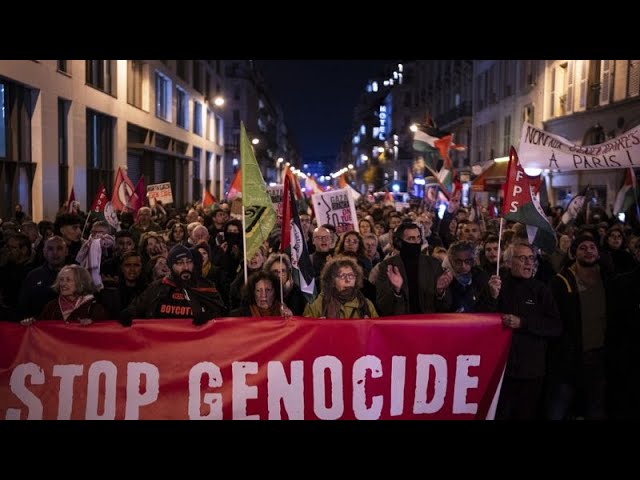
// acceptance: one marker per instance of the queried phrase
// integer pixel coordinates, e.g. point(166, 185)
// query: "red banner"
point(406, 367)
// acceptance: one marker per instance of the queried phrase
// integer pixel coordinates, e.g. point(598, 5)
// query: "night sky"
point(318, 98)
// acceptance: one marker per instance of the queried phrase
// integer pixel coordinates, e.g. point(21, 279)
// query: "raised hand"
point(395, 277)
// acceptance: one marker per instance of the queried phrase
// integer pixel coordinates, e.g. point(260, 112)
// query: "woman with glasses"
point(341, 297)
point(351, 244)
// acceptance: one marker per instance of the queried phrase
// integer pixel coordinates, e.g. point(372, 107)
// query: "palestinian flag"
point(521, 205)
point(627, 194)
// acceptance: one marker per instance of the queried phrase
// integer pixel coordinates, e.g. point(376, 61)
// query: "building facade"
point(72, 123)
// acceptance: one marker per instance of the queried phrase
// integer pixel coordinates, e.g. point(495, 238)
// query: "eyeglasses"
point(346, 276)
point(460, 261)
point(524, 258)
point(324, 238)
point(351, 240)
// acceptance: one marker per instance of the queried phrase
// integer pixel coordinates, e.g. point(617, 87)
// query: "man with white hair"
point(143, 225)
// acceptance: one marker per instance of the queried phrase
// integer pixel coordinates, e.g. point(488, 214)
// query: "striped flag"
point(292, 236)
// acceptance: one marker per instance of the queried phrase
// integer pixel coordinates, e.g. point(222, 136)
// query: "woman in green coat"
point(341, 297)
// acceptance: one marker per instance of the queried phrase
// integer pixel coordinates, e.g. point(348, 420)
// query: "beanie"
point(581, 239)
point(178, 252)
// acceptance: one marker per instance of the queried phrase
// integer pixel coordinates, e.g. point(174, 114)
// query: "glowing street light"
point(255, 141)
point(218, 101)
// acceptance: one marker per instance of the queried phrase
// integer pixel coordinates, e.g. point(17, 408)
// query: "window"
point(236, 118)
point(219, 189)
point(220, 132)
point(63, 160)
point(134, 83)
point(528, 114)
point(182, 108)
point(16, 167)
point(64, 66)
point(208, 170)
point(163, 97)
point(506, 144)
point(211, 125)
point(197, 76)
point(100, 130)
point(181, 69)
point(197, 118)
point(633, 78)
point(197, 184)
point(99, 74)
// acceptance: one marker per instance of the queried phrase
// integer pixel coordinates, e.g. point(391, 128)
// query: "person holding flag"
point(528, 306)
point(293, 241)
point(258, 215)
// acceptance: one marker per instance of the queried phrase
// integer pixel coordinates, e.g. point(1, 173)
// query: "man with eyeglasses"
point(183, 294)
point(465, 287)
point(322, 241)
point(528, 308)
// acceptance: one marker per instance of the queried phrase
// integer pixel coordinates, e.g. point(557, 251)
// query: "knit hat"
point(178, 252)
point(581, 239)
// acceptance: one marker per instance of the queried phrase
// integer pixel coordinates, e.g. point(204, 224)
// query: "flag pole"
point(499, 243)
point(281, 284)
point(85, 224)
point(244, 246)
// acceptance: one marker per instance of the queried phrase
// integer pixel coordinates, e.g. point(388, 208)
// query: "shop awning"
point(492, 178)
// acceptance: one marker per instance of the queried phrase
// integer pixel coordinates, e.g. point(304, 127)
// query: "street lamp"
point(218, 101)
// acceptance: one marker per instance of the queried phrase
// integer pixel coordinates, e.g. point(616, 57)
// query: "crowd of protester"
point(574, 311)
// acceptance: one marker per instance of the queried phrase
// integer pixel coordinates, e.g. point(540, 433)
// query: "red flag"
point(139, 196)
point(72, 198)
point(123, 190)
point(208, 199)
point(521, 205)
point(294, 182)
point(236, 186)
point(100, 201)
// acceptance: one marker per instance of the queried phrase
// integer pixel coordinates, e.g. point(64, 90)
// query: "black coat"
point(532, 301)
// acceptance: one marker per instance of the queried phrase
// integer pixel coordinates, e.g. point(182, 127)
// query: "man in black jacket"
point(528, 308)
point(183, 294)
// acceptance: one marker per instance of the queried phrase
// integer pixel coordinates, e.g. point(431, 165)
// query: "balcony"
point(462, 110)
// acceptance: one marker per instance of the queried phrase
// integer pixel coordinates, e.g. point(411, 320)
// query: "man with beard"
point(183, 294)
point(409, 282)
point(577, 369)
point(36, 289)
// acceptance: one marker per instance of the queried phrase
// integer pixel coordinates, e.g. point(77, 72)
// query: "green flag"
point(259, 214)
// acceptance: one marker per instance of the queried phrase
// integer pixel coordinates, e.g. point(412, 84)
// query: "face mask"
point(410, 249)
point(233, 238)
